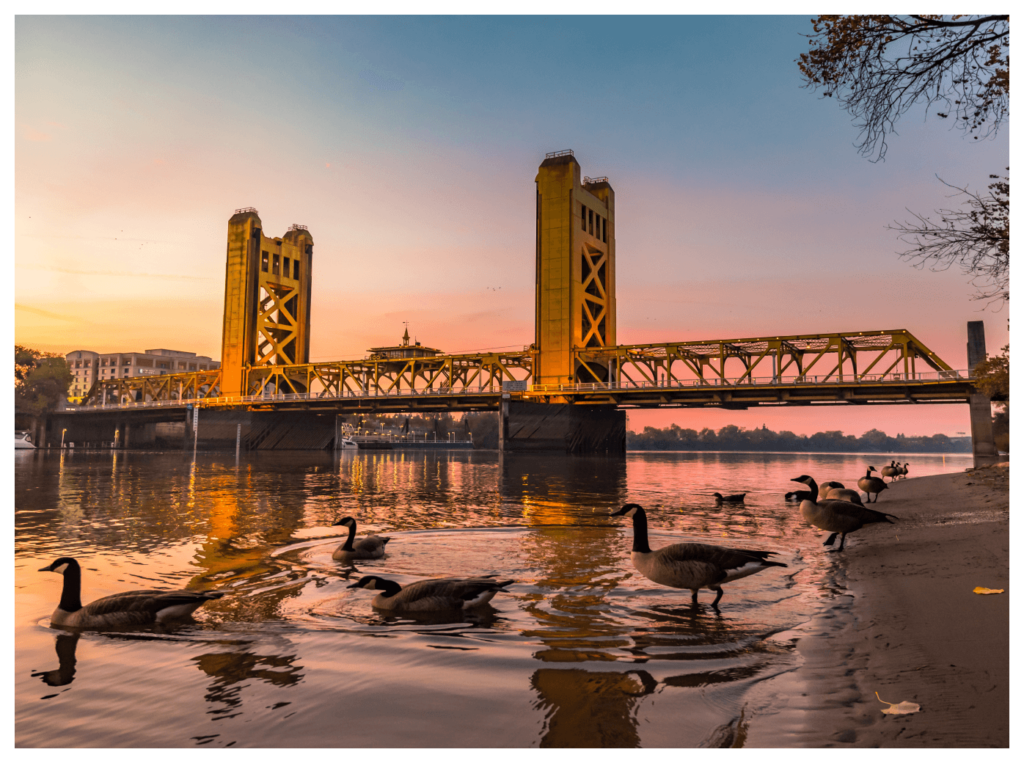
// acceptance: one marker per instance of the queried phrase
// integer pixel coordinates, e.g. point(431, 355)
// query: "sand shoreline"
point(906, 623)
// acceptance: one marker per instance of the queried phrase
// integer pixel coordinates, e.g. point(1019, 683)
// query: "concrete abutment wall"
point(561, 428)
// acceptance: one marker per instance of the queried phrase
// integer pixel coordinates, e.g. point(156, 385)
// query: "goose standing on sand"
point(903, 470)
point(844, 494)
point(891, 471)
point(870, 484)
point(370, 547)
point(121, 610)
point(691, 565)
point(837, 517)
point(737, 498)
point(439, 595)
point(826, 487)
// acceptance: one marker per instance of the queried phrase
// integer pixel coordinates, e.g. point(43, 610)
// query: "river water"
point(581, 652)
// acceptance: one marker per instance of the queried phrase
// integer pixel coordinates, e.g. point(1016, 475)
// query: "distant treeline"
point(732, 437)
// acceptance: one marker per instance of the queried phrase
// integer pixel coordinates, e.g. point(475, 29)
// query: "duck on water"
point(691, 565)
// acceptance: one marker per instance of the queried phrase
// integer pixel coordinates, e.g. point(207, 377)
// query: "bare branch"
point(879, 66)
point(975, 238)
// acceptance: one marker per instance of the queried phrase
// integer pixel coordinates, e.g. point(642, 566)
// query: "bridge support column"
point(561, 428)
point(982, 438)
point(125, 430)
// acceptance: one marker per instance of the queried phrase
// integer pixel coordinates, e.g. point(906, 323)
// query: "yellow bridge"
point(575, 366)
point(865, 367)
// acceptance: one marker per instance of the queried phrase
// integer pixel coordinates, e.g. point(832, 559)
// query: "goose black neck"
point(348, 541)
point(814, 490)
point(640, 532)
point(71, 594)
point(388, 588)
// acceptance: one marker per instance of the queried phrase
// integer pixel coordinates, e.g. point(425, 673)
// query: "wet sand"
point(906, 623)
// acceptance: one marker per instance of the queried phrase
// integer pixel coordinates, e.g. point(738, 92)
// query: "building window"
point(265, 263)
point(127, 361)
point(277, 264)
point(191, 366)
point(591, 215)
point(295, 263)
point(583, 216)
point(287, 270)
point(78, 364)
point(604, 230)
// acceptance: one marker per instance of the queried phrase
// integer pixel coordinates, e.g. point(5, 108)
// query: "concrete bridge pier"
point(560, 428)
point(982, 437)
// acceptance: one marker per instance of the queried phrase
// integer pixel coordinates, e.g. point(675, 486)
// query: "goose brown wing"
point(370, 544)
point(697, 560)
point(851, 511)
point(147, 601)
point(453, 589)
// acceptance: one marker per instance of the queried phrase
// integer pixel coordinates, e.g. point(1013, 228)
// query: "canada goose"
point(432, 595)
point(122, 609)
point(737, 498)
point(370, 547)
point(870, 484)
point(903, 470)
point(825, 487)
point(804, 495)
point(844, 494)
point(691, 565)
point(891, 471)
point(837, 517)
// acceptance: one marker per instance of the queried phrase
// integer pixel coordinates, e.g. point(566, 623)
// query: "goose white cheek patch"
point(61, 568)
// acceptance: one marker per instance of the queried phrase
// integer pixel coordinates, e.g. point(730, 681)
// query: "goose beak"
point(45, 569)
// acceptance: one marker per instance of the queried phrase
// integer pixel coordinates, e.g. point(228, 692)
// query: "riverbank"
point(906, 623)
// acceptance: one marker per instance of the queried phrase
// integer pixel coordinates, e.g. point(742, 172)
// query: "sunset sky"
point(409, 147)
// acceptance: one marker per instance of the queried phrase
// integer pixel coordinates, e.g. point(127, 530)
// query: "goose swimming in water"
point(837, 517)
point(870, 484)
point(691, 565)
point(737, 498)
point(121, 610)
point(438, 595)
point(370, 547)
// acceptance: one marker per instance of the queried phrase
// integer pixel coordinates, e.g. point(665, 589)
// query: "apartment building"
point(88, 367)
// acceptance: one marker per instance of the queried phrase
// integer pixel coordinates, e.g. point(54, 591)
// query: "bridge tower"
point(575, 270)
point(266, 299)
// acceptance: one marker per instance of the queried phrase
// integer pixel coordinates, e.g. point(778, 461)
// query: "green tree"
point(41, 381)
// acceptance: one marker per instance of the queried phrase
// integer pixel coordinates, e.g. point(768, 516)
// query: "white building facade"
point(88, 367)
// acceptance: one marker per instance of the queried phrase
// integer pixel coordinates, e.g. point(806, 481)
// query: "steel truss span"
point(848, 368)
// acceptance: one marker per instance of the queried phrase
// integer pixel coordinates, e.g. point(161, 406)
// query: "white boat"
point(347, 443)
point(23, 441)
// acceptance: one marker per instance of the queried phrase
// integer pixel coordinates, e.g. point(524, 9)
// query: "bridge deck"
point(921, 387)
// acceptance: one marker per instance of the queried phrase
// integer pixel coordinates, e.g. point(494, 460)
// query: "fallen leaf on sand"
point(903, 708)
point(979, 589)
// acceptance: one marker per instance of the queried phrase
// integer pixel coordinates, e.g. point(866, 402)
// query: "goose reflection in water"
point(229, 669)
point(65, 672)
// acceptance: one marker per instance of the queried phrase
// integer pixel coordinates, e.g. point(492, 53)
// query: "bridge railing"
point(285, 397)
point(921, 377)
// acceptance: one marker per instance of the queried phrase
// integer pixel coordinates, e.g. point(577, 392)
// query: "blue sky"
point(409, 145)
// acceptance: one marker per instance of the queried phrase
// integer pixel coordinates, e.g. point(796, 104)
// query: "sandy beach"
point(907, 624)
